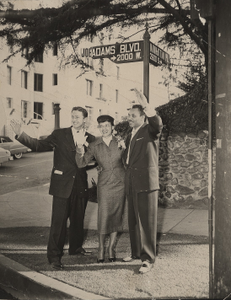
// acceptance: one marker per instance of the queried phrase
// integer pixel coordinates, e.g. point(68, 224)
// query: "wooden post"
point(211, 88)
point(222, 241)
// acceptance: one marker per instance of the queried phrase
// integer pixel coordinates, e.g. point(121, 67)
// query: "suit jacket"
point(143, 169)
point(65, 171)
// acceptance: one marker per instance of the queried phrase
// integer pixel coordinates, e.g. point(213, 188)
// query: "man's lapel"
point(133, 141)
point(88, 138)
point(70, 139)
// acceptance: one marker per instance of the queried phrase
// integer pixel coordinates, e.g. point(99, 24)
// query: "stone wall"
point(183, 168)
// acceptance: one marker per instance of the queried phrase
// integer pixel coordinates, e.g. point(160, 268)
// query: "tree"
point(36, 30)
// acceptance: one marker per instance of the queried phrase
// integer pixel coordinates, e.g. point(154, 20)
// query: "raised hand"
point(140, 97)
point(16, 126)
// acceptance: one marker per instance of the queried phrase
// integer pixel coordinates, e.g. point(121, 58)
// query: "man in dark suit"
point(68, 184)
point(141, 159)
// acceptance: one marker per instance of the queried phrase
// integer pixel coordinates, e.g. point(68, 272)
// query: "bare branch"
point(184, 24)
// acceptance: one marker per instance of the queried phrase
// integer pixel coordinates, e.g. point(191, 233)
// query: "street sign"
point(118, 53)
point(103, 51)
point(127, 52)
point(158, 56)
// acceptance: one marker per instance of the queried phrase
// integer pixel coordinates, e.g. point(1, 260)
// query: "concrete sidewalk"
point(32, 208)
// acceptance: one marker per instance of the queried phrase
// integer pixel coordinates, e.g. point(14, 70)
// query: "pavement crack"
point(181, 220)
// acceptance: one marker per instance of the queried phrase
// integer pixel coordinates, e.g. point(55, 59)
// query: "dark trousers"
point(73, 208)
point(142, 223)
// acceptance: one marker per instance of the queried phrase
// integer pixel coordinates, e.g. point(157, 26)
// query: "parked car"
point(4, 155)
point(16, 149)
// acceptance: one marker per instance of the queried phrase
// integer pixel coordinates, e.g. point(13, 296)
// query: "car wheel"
point(18, 155)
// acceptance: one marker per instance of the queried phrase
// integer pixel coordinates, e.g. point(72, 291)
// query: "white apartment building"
point(28, 93)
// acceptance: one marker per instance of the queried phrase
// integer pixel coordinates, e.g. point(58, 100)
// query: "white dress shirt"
point(77, 133)
point(134, 131)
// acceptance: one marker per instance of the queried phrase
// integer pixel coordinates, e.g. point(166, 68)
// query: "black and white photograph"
point(115, 149)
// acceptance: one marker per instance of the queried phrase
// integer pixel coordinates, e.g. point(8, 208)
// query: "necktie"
point(76, 137)
point(132, 135)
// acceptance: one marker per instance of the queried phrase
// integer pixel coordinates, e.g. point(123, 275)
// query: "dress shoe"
point(146, 267)
point(130, 258)
point(81, 251)
point(112, 259)
point(56, 265)
point(100, 255)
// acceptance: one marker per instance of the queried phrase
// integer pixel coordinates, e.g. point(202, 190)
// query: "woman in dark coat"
point(111, 183)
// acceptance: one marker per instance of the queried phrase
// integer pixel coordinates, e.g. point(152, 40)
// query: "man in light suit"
point(141, 159)
point(68, 184)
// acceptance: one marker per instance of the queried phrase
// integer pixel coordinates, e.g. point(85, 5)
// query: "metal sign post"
point(146, 64)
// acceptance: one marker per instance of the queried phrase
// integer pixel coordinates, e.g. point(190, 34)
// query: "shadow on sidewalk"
point(28, 246)
point(181, 263)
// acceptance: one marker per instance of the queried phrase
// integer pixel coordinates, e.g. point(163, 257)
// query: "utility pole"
point(211, 100)
point(206, 10)
point(222, 258)
point(221, 281)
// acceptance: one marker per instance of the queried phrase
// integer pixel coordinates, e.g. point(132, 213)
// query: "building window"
point(100, 91)
point(100, 112)
point(117, 72)
point(9, 102)
point(24, 109)
point(89, 38)
point(89, 61)
point(38, 82)
point(39, 57)
point(89, 87)
point(24, 75)
point(38, 110)
point(55, 79)
point(55, 49)
point(117, 96)
point(90, 112)
point(116, 116)
point(9, 75)
point(25, 53)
